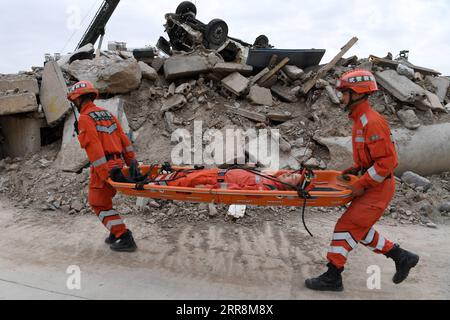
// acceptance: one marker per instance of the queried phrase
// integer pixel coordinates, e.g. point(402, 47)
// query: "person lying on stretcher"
point(235, 179)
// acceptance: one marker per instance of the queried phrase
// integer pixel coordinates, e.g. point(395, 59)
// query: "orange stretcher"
point(324, 190)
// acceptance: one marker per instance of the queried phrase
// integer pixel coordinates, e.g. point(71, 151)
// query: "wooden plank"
point(323, 71)
point(274, 71)
point(258, 117)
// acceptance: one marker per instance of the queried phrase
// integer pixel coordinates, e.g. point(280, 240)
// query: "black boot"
point(329, 281)
point(404, 262)
point(125, 243)
point(111, 239)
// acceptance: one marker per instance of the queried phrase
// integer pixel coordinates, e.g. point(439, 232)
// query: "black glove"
point(134, 172)
point(352, 171)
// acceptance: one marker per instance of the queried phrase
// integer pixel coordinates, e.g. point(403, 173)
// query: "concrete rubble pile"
point(44, 166)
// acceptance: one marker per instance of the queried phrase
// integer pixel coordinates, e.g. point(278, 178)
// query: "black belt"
point(113, 156)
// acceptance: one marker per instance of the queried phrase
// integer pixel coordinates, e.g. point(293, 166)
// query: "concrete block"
point(108, 75)
point(22, 135)
point(18, 103)
point(53, 93)
point(226, 68)
point(148, 72)
point(185, 66)
point(260, 96)
point(21, 83)
point(285, 93)
point(294, 72)
point(236, 83)
point(175, 102)
point(72, 158)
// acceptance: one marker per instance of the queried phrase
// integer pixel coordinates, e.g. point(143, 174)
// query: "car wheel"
point(216, 32)
point(262, 42)
point(186, 7)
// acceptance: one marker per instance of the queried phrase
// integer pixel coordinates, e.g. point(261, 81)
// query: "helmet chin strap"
point(354, 102)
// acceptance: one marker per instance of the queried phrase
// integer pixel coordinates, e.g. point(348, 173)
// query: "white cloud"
point(32, 28)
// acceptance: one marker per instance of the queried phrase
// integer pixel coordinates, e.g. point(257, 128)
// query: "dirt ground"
point(204, 260)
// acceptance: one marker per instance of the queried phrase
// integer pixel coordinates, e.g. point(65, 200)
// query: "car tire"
point(216, 32)
point(186, 7)
point(262, 42)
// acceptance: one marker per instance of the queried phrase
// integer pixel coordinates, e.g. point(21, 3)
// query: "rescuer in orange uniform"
point(107, 147)
point(375, 158)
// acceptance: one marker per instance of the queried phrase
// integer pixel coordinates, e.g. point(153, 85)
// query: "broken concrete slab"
point(72, 158)
point(17, 103)
point(393, 64)
point(173, 103)
point(285, 93)
point(260, 96)
point(403, 89)
point(226, 68)
point(442, 85)
point(435, 104)
point(185, 66)
point(236, 83)
point(22, 135)
point(21, 83)
point(148, 72)
point(108, 75)
point(409, 119)
point(294, 72)
point(53, 93)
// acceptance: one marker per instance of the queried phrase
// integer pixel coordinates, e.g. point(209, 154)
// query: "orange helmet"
point(80, 89)
point(358, 80)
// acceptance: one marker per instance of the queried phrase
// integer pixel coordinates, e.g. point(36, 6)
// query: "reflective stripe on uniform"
point(114, 223)
point(369, 237)
point(364, 120)
point(99, 162)
point(359, 139)
point(380, 244)
point(106, 214)
point(257, 179)
point(339, 250)
point(347, 237)
point(129, 149)
point(374, 175)
point(224, 186)
point(108, 130)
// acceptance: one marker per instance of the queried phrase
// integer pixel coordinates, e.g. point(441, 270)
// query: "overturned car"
point(186, 33)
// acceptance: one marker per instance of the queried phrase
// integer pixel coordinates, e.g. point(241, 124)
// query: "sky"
point(29, 29)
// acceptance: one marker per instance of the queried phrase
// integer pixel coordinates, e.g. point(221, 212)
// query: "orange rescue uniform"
point(375, 155)
point(107, 146)
point(235, 179)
